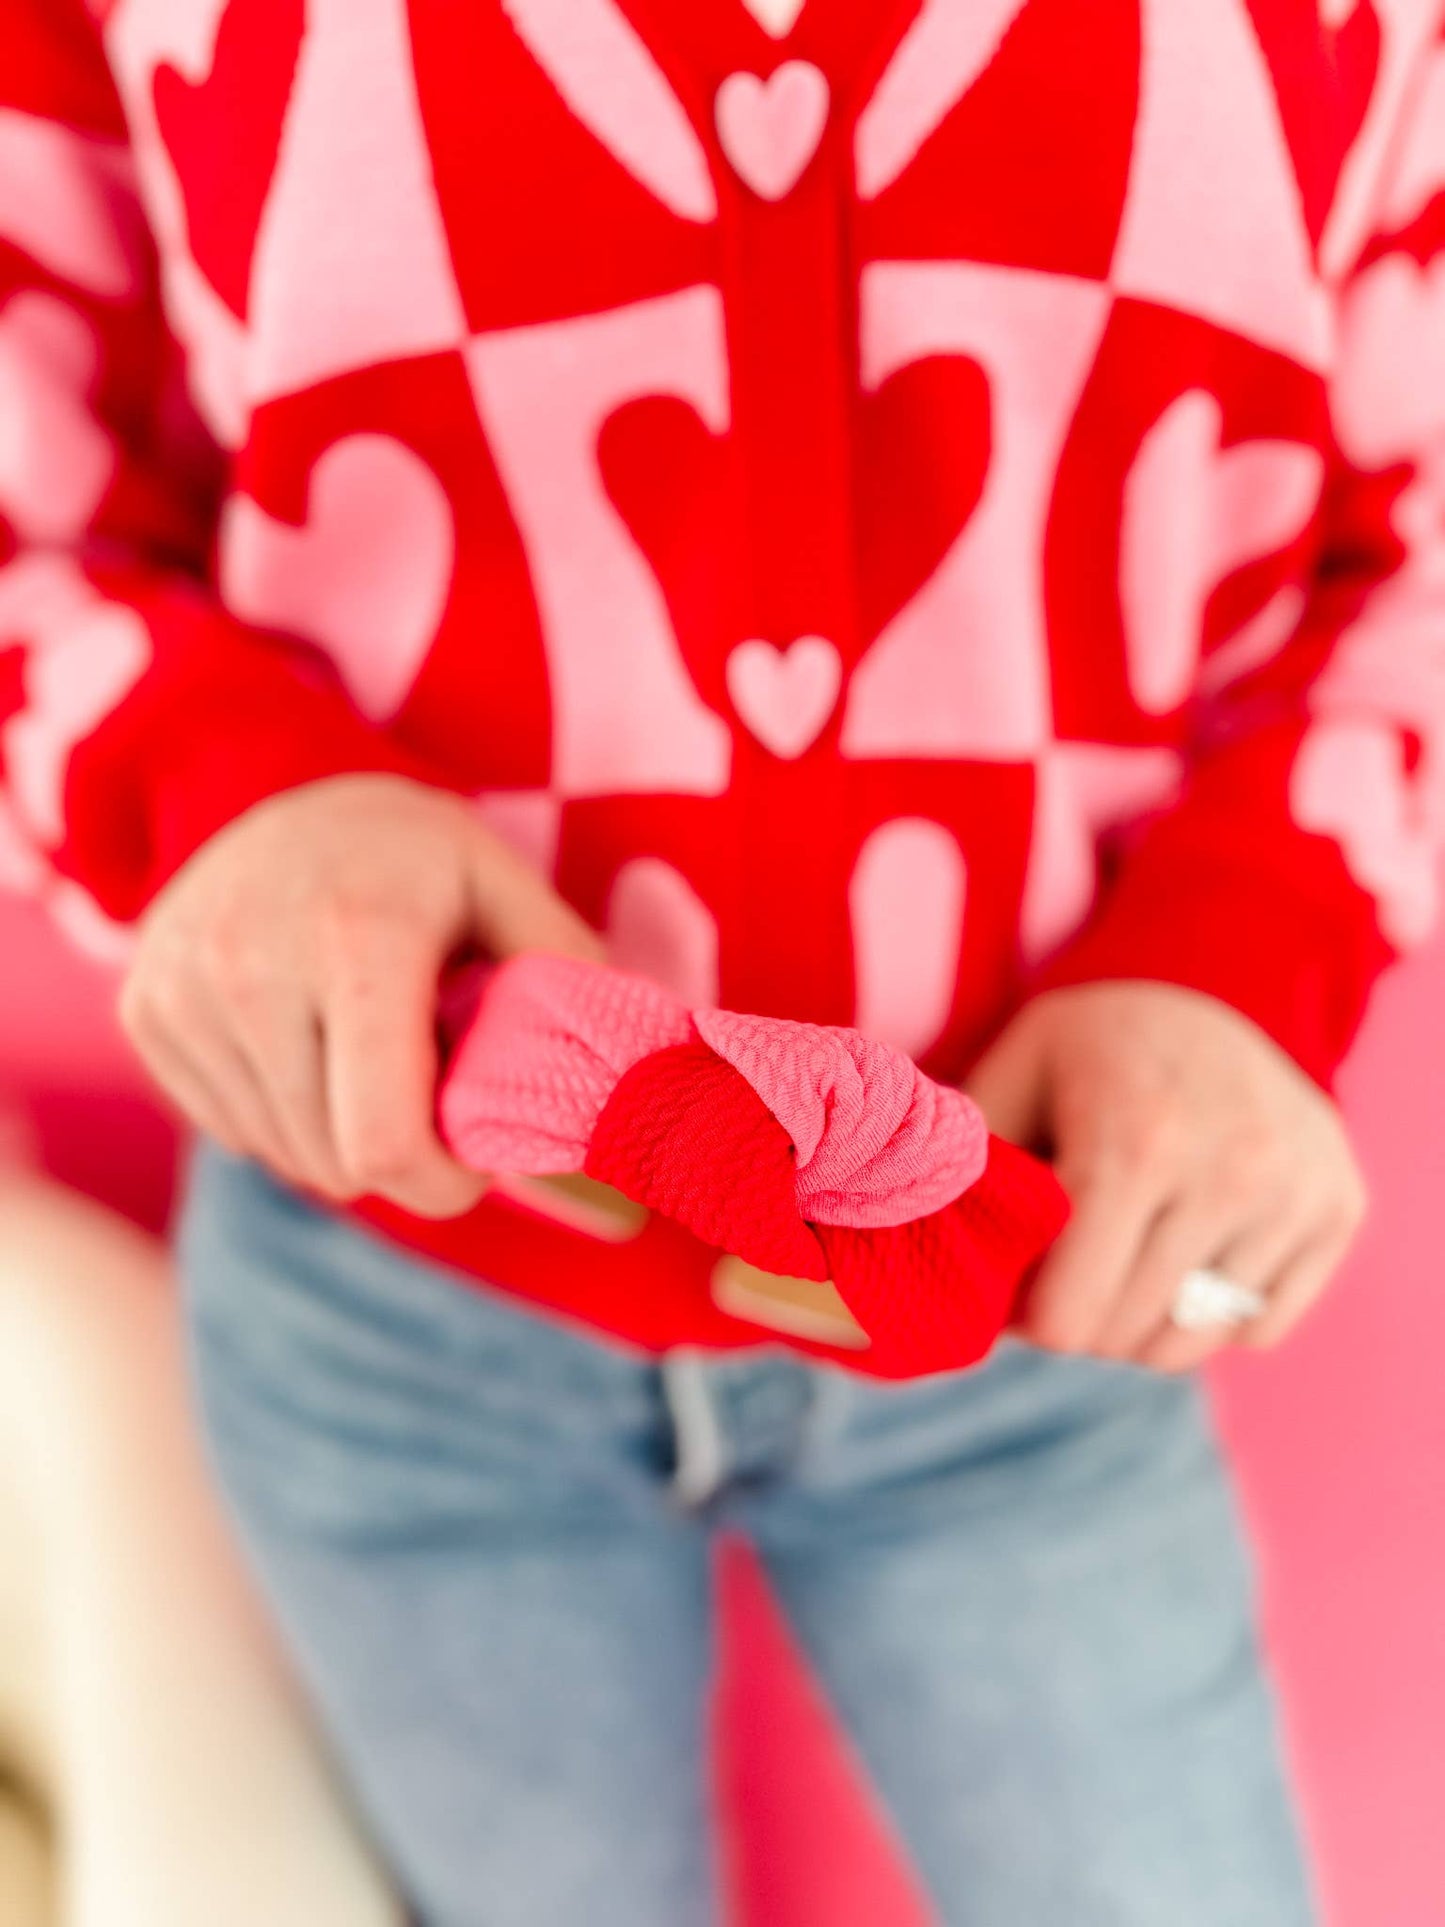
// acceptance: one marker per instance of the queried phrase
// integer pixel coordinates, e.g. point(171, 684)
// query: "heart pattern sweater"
point(891, 504)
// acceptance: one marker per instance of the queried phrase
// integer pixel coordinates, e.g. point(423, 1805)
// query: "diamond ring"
point(1207, 1300)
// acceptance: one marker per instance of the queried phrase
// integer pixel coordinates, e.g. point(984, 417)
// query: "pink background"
point(1339, 1441)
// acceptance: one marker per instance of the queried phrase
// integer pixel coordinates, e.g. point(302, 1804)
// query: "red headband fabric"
point(810, 1151)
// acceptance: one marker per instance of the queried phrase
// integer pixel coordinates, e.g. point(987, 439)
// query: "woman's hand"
point(284, 989)
point(1186, 1139)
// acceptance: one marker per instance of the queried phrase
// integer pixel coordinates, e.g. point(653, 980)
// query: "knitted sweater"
point(890, 503)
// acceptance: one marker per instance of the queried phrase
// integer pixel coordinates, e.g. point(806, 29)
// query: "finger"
point(378, 1017)
point(514, 908)
point(1299, 1287)
point(1078, 1283)
point(280, 1034)
point(1180, 1238)
point(1257, 1258)
point(1007, 1084)
point(202, 1030)
point(1172, 1350)
point(185, 1045)
point(186, 1088)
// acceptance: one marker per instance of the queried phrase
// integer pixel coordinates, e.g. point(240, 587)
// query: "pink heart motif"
point(56, 461)
point(777, 17)
point(785, 696)
point(82, 656)
point(1237, 503)
point(366, 577)
point(770, 129)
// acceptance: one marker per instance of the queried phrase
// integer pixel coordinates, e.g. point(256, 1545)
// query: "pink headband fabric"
point(547, 1041)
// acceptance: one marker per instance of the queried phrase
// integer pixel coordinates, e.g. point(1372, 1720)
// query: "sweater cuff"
point(222, 718)
point(1302, 974)
point(212, 780)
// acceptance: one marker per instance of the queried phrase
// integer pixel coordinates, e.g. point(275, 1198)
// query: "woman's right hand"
point(284, 988)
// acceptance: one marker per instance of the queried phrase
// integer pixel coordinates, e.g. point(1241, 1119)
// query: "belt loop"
point(701, 1458)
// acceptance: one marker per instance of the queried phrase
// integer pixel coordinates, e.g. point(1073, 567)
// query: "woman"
point(769, 493)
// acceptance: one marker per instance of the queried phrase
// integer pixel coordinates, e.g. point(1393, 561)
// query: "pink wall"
point(1340, 1443)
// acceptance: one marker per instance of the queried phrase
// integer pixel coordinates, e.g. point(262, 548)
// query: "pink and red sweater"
point(889, 502)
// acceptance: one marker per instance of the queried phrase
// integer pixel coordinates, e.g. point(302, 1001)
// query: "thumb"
point(514, 907)
point(1009, 1082)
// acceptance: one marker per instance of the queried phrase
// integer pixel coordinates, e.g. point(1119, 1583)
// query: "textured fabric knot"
point(875, 1142)
point(809, 1151)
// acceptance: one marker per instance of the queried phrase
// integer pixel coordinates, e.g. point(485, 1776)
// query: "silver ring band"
point(1208, 1300)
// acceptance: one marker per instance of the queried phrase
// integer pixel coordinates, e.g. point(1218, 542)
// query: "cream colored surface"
point(27, 1897)
point(801, 1307)
point(140, 1689)
point(578, 1201)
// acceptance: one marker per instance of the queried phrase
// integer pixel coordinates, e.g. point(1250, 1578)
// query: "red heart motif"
point(930, 418)
point(223, 134)
point(1323, 79)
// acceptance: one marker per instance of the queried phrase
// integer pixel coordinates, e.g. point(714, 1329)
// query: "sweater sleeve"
point(136, 716)
point(1301, 855)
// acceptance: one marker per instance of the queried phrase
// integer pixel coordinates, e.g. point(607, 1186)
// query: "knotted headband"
point(809, 1151)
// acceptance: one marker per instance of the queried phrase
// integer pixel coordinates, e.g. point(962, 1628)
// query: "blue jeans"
point(486, 1537)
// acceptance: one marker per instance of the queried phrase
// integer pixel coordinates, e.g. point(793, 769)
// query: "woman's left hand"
point(1187, 1140)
